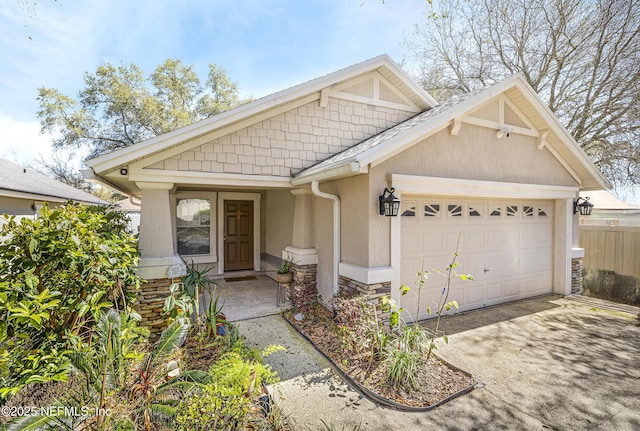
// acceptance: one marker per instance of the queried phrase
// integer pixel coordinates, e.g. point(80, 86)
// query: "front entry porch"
point(246, 295)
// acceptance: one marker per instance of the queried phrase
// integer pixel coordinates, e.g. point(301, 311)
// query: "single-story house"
point(23, 191)
point(300, 173)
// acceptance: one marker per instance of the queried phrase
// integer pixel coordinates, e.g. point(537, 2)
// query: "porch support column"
point(563, 240)
point(302, 227)
point(301, 250)
point(156, 240)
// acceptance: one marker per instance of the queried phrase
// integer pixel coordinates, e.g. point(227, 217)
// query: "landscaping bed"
point(436, 381)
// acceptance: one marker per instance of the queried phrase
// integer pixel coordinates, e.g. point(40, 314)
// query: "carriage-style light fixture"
point(584, 208)
point(389, 204)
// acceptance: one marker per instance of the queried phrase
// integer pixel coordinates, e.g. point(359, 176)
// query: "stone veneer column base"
point(304, 275)
point(374, 292)
point(576, 275)
point(150, 301)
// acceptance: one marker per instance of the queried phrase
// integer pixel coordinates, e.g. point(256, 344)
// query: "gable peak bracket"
point(324, 97)
point(542, 139)
point(456, 124)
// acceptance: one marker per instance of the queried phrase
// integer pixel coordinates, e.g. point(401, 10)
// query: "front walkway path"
point(546, 363)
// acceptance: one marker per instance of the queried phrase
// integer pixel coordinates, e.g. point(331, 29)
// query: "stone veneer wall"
point(304, 275)
point(576, 276)
point(372, 291)
point(150, 301)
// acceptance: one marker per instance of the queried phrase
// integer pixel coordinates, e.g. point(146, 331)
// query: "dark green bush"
point(57, 273)
point(611, 286)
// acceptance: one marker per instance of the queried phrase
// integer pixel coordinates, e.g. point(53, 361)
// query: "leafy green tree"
point(120, 106)
point(57, 273)
point(582, 57)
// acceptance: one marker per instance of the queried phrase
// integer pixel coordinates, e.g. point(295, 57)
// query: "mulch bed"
point(438, 381)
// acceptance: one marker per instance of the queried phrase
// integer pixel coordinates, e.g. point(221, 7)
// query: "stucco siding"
point(323, 234)
point(278, 221)
point(17, 206)
point(354, 219)
point(477, 154)
point(288, 142)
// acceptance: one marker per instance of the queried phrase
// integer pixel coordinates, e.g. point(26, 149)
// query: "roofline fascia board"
point(212, 179)
point(91, 176)
point(345, 169)
point(412, 83)
point(35, 196)
point(439, 186)
point(109, 161)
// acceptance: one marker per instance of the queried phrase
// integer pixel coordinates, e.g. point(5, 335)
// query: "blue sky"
point(265, 45)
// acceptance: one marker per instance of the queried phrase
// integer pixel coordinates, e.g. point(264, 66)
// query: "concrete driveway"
point(549, 363)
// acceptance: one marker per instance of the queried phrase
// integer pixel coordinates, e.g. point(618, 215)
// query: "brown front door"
point(238, 234)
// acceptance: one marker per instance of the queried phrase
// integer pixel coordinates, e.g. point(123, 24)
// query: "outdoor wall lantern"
point(584, 208)
point(389, 204)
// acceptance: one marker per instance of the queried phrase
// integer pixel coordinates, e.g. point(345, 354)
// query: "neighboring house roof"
point(21, 182)
point(605, 200)
point(398, 138)
point(383, 64)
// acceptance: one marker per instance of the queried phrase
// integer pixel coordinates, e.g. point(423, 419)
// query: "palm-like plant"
point(104, 372)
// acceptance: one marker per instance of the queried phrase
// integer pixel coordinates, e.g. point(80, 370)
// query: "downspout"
point(336, 230)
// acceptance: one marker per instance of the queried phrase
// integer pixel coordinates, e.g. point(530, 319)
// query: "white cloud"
point(22, 142)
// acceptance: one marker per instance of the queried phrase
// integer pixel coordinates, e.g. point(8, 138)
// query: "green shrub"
point(57, 273)
point(217, 407)
point(225, 403)
point(242, 371)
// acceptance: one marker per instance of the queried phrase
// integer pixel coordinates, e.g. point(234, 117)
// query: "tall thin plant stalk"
point(443, 302)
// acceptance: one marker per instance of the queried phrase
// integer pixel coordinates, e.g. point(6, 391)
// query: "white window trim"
point(237, 196)
point(212, 257)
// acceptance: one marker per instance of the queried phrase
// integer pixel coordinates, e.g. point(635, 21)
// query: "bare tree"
point(581, 56)
point(62, 169)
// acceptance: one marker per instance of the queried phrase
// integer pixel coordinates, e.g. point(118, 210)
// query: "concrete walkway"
point(547, 363)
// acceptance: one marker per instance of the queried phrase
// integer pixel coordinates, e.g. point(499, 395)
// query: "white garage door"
point(506, 245)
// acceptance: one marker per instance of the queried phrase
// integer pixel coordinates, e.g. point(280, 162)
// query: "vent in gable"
point(388, 95)
point(364, 89)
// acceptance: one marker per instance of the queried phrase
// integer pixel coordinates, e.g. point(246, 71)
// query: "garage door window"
point(431, 210)
point(454, 210)
point(476, 210)
point(408, 209)
point(495, 210)
point(528, 211)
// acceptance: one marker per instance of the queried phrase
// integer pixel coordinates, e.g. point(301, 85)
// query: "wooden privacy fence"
point(611, 248)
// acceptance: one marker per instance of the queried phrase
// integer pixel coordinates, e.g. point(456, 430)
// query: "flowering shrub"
point(304, 298)
point(354, 322)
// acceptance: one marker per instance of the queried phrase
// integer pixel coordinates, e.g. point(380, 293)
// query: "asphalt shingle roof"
point(16, 178)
